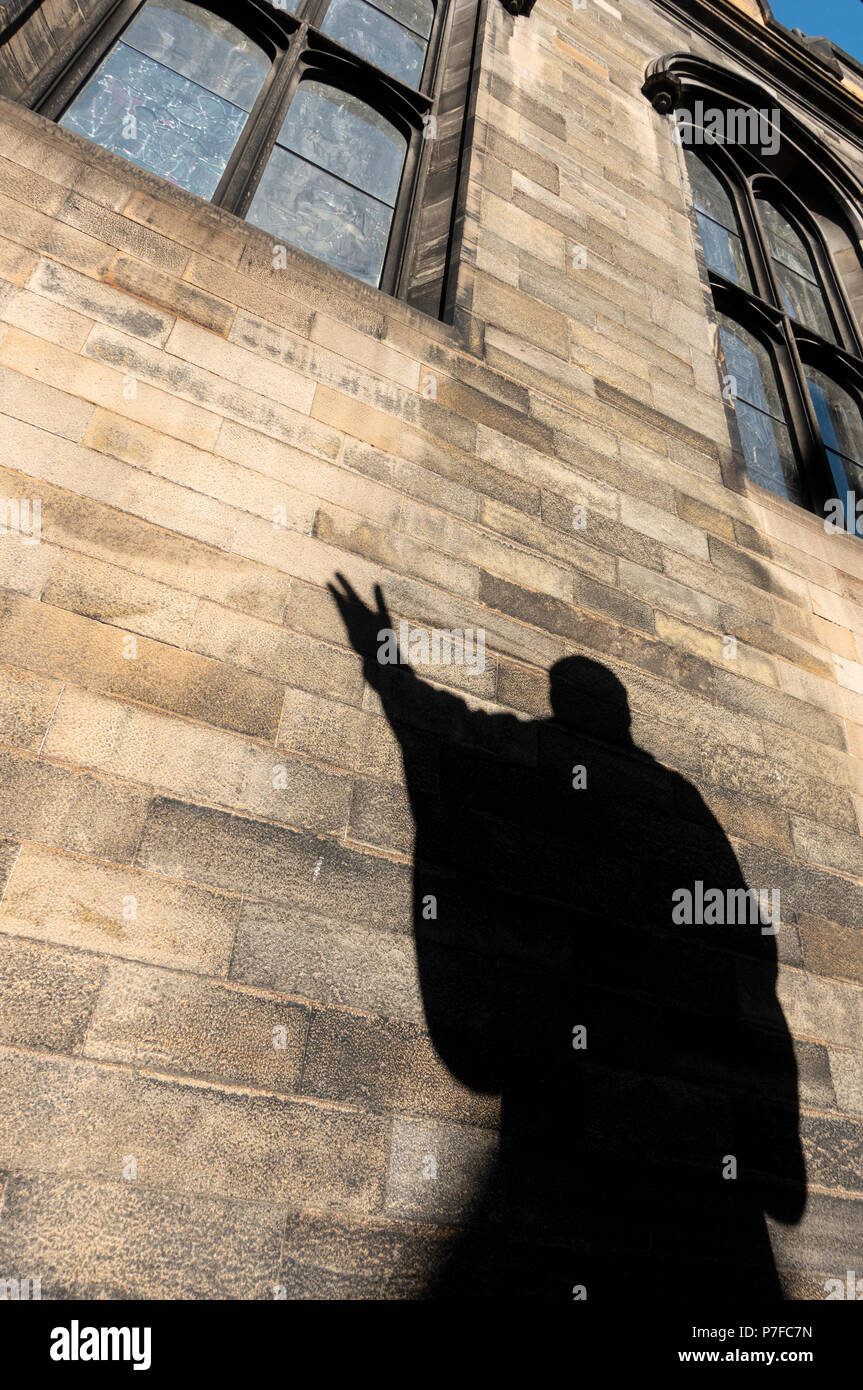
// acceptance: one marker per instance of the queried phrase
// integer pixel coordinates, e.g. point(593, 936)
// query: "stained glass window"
point(768, 226)
point(717, 223)
point(331, 182)
point(392, 34)
point(761, 418)
point(173, 94)
point(306, 136)
point(799, 284)
point(841, 427)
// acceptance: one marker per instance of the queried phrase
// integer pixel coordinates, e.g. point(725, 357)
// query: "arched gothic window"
point(331, 182)
point(786, 334)
point(791, 344)
point(761, 415)
point(173, 93)
point(841, 426)
point(797, 279)
point(304, 116)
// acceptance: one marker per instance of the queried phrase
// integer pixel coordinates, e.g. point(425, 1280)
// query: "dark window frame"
point(761, 311)
point(297, 48)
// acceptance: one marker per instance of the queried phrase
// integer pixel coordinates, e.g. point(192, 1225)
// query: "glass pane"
point(786, 245)
point(841, 427)
point(723, 251)
point(344, 135)
point(764, 434)
point(749, 364)
point(838, 416)
point(799, 284)
point(804, 301)
point(311, 209)
point(769, 456)
point(717, 223)
point(372, 35)
point(708, 194)
point(414, 14)
point(197, 44)
point(157, 119)
point(847, 478)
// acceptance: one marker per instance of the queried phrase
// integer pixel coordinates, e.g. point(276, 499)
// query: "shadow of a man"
point(585, 943)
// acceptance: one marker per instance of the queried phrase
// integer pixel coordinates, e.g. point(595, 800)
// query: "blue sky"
point(840, 20)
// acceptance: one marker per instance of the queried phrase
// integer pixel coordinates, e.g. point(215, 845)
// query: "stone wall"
point(207, 838)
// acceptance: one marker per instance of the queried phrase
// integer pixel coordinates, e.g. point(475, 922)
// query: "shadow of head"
point(588, 700)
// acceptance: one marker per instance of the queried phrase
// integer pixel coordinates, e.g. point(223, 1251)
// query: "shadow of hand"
point(362, 622)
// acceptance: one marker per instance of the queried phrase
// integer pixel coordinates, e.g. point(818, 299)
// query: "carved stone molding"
point(677, 79)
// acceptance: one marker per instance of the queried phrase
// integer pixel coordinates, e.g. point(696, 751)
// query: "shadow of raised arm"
point(433, 727)
point(373, 636)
